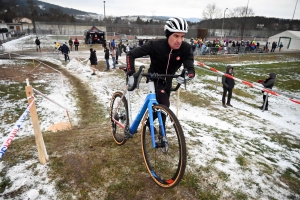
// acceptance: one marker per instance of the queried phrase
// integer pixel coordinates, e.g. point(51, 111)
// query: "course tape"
point(38, 92)
point(251, 84)
point(13, 133)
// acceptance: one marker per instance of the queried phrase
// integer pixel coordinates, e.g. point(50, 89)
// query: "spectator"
point(65, 50)
point(192, 41)
point(113, 56)
point(280, 46)
point(117, 54)
point(267, 46)
point(228, 85)
point(91, 41)
point(106, 56)
point(141, 42)
point(127, 48)
point(268, 83)
point(274, 45)
point(70, 43)
point(203, 46)
point(120, 46)
point(57, 45)
point(93, 60)
point(233, 44)
point(112, 44)
point(104, 44)
point(76, 44)
point(38, 43)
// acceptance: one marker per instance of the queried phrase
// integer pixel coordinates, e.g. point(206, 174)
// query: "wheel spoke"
point(165, 163)
point(119, 117)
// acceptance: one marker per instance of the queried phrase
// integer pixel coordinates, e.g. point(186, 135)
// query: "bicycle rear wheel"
point(166, 164)
point(118, 117)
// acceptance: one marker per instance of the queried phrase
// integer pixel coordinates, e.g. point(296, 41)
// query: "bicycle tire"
point(165, 166)
point(120, 115)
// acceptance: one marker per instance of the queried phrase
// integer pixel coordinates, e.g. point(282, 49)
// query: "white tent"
point(289, 39)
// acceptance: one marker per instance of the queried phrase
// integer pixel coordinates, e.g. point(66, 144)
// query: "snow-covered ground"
point(216, 137)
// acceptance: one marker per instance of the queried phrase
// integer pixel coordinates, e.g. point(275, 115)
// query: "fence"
point(43, 157)
point(227, 50)
point(253, 85)
point(69, 28)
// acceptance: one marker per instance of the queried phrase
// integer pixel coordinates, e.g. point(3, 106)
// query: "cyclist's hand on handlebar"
point(185, 79)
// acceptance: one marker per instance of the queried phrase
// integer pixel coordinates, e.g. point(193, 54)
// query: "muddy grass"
point(86, 163)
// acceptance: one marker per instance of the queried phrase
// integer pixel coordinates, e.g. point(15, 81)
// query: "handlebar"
point(138, 76)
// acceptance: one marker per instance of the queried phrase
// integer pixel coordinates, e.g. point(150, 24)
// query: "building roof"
point(292, 34)
point(95, 30)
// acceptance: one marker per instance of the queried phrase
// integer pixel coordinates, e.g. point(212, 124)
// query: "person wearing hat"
point(228, 85)
point(268, 83)
point(93, 60)
point(65, 50)
point(166, 56)
point(38, 44)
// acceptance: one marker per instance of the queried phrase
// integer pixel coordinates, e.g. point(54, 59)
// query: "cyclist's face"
point(175, 40)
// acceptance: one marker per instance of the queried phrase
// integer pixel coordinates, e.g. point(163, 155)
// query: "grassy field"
point(86, 164)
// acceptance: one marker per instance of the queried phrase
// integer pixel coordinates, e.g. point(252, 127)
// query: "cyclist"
point(167, 56)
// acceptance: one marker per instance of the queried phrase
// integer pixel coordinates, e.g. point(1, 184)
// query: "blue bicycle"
point(163, 142)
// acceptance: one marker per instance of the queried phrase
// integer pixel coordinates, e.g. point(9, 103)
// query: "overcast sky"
point(183, 8)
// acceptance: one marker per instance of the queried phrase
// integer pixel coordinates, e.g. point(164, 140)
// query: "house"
point(15, 27)
point(22, 20)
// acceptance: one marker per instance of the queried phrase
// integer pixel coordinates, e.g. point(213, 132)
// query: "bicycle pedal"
point(128, 136)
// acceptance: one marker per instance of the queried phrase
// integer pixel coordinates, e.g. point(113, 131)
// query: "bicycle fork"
point(163, 141)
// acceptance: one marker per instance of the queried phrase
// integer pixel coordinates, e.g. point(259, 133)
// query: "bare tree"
point(33, 13)
point(211, 11)
point(241, 12)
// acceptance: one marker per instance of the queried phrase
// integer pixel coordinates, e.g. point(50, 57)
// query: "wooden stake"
point(178, 101)
point(43, 157)
point(69, 118)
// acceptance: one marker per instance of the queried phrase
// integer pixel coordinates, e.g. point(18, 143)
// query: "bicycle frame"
point(148, 103)
point(165, 158)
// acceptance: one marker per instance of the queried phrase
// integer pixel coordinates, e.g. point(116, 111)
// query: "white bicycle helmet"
point(176, 24)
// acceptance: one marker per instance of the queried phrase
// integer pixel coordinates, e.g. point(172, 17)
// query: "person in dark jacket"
point(106, 56)
point(228, 85)
point(70, 43)
point(93, 60)
point(38, 43)
point(167, 56)
point(268, 83)
point(76, 44)
point(65, 50)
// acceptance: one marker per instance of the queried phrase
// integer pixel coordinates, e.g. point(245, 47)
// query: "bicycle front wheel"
point(118, 117)
point(166, 163)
